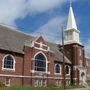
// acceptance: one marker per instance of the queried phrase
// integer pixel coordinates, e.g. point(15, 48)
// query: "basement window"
point(7, 81)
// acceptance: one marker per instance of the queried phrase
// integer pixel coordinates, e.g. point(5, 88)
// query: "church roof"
point(58, 54)
point(14, 40)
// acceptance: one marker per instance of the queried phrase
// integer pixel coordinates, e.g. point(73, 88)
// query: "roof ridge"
point(18, 31)
point(14, 29)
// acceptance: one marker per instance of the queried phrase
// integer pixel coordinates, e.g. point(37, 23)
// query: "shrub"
point(1, 84)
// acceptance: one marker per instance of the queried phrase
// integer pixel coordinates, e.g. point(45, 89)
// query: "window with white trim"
point(9, 62)
point(40, 62)
point(57, 68)
point(69, 35)
point(58, 82)
point(40, 83)
point(67, 68)
point(7, 81)
point(68, 82)
point(41, 46)
point(35, 83)
point(44, 83)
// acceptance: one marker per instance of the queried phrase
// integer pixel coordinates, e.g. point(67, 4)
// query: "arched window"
point(67, 70)
point(57, 68)
point(9, 62)
point(40, 62)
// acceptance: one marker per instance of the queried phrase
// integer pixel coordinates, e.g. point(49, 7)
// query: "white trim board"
point(20, 76)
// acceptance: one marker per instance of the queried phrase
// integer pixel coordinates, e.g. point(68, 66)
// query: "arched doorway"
point(83, 77)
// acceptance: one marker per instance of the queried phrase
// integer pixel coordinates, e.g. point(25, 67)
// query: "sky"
point(46, 17)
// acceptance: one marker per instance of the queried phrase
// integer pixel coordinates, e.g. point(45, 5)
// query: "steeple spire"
point(71, 18)
point(71, 32)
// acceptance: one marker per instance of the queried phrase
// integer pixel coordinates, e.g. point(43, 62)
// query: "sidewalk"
point(88, 88)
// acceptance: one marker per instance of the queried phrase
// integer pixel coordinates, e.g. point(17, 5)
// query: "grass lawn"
point(39, 88)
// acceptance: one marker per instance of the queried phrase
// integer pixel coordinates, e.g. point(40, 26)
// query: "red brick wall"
point(72, 51)
point(18, 64)
point(24, 65)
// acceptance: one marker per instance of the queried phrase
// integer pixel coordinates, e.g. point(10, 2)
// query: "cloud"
point(11, 10)
point(51, 31)
point(44, 5)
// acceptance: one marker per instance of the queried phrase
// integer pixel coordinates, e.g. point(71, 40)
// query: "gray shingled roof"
point(58, 54)
point(14, 40)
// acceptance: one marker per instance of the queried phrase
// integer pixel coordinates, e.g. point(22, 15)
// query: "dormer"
point(38, 43)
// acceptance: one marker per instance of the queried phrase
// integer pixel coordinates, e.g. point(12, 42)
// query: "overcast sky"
point(45, 17)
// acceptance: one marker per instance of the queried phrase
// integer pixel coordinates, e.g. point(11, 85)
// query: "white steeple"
point(71, 20)
point(71, 32)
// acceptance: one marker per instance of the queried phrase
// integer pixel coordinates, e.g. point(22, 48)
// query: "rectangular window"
point(36, 83)
point(40, 46)
point(58, 82)
point(37, 45)
point(44, 83)
point(80, 52)
point(68, 82)
point(68, 35)
point(40, 83)
point(7, 81)
point(45, 47)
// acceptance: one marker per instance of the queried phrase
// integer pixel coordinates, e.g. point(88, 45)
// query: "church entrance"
point(83, 77)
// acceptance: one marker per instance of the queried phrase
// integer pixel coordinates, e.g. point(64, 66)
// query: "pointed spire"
point(71, 18)
point(70, 3)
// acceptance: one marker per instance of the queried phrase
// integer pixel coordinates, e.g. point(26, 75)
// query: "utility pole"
point(63, 51)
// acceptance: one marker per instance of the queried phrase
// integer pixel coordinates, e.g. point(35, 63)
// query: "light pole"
point(63, 52)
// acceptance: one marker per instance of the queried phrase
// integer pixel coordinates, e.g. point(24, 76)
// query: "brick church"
point(32, 61)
